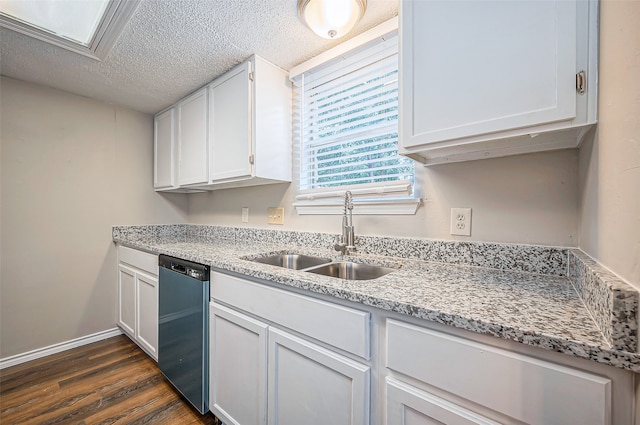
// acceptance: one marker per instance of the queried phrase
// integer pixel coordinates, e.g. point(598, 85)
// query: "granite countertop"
point(540, 310)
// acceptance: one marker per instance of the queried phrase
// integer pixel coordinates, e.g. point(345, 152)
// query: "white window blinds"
point(346, 124)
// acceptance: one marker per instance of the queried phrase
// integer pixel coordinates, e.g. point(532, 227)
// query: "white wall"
point(526, 199)
point(71, 168)
point(610, 166)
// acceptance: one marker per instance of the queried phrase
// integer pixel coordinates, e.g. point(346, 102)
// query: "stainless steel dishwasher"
point(183, 333)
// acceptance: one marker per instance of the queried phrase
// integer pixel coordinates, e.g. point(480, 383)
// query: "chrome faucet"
point(346, 243)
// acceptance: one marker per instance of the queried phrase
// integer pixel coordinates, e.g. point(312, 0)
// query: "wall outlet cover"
point(461, 221)
point(245, 214)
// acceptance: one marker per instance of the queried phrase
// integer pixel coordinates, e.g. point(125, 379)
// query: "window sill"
point(360, 207)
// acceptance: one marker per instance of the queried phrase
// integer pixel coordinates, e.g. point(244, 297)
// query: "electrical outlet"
point(245, 214)
point(275, 215)
point(461, 221)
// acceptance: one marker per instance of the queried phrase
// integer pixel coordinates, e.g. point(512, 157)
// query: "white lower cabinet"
point(407, 405)
point(480, 380)
point(237, 367)
point(147, 313)
point(312, 385)
point(261, 374)
point(283, 358)
point(127, 299)
point(138, 298)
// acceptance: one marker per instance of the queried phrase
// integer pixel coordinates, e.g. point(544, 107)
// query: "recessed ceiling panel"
point(88, 27)
point(76, 20)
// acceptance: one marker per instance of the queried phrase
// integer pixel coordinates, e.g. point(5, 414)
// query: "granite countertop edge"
point(235, 260)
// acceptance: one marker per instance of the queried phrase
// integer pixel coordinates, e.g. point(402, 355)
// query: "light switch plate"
point(461, 221)
point(275, 215)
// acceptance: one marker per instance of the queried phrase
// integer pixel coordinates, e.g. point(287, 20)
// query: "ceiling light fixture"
point(331, 18)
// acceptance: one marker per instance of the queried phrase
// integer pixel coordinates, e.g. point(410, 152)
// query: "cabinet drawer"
point(525, 388)
point(139, 259)
point(408, 405)
point(344, 328)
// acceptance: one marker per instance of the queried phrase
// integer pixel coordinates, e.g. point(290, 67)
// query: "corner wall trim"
point(57, 348)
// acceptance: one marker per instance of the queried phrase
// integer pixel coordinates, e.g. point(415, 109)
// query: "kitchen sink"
point(325, 266)
point(351, 271)
point(292, 261)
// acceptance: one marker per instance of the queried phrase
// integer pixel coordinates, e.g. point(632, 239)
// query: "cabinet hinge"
point(581, 82)
point(251, 76)
point(251, 159)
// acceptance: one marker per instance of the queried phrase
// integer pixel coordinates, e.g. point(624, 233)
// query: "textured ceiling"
point(172, 47)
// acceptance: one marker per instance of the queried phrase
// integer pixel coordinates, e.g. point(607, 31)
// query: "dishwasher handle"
point(178, 268)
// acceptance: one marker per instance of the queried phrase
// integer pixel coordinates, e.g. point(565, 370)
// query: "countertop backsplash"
point(612, 302)
point(501, 256)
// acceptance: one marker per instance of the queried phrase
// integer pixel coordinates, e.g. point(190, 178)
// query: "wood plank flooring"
point(108, 382)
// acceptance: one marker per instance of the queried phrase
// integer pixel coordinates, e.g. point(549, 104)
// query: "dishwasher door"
point(183, 331)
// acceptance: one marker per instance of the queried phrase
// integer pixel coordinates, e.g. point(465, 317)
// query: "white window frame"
point(395, 197)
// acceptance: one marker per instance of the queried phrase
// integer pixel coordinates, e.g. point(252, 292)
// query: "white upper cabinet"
point(234, 132)
point(482, 79)
point(250, 126)
point(230, 123)
point(193, 166)
point(163, 148)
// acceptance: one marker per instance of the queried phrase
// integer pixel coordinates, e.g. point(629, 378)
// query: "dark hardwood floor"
point(107, 382)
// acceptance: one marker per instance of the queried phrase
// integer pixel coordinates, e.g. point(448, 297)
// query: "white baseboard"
point(57, 348)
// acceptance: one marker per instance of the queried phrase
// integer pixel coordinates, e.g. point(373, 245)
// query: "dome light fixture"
point(331, 19)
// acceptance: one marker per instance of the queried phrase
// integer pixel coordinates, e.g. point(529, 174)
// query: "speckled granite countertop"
point(542, 310)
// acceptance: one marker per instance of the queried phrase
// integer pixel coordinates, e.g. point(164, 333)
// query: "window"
point(346, 116)
point(89, 27)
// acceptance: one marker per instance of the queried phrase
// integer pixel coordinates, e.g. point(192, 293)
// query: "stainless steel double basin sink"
point(325, 266)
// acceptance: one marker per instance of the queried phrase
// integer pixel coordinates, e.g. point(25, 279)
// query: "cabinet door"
point(470, 68)
point(193, 164)
point(230, 122)
point(147, 295)
point(163, 148)
point(407, 405)
point(238, 367)
point(314, 386)
point(127, 300)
